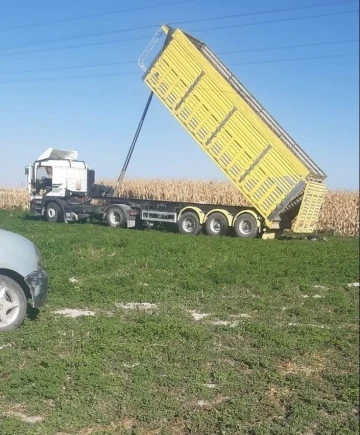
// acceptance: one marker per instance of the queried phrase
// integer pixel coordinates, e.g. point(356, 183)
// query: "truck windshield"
point(44, 178)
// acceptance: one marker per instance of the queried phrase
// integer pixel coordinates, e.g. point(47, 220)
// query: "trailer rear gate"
point(235, 131)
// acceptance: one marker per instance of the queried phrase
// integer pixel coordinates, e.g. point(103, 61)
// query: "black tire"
point(189, 224)
point(13, 304)
point(245, 226)
point(216, 225)
point(115, 217)
point(53, 212)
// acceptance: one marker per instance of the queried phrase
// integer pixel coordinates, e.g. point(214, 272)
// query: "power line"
point(93, 65)
point(280, 20)
point(199, 30)
point(153, 26)
point(91, 44)
point(279, 47)
point(130, 62)
point(71, 77)
point(103, 14)
point(137, 73)
point(296, 58)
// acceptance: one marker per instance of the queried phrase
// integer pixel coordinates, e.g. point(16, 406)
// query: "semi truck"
point(280, 181)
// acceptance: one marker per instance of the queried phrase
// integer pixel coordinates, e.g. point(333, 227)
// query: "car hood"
point(17, 253)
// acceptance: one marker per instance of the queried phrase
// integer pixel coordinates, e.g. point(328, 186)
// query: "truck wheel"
point(53, 212)
point(246, 226)
point(13, 304)
point(189, 224)
point(115, 217)
point(216, 225)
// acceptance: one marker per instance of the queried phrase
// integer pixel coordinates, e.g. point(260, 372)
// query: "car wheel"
point(13, 304)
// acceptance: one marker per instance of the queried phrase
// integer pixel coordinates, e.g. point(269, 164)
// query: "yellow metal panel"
point(310, 207)
point(197, 210)
point(231, 133)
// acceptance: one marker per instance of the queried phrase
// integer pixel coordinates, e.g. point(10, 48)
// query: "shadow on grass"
point(173, 229)
point(28, 217)
point(311, 238)
point(32, 313)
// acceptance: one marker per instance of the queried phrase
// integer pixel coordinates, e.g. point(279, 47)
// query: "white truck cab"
point(57, 172)
point(54, 176)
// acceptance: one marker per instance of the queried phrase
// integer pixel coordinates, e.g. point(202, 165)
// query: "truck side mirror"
point(26, 170)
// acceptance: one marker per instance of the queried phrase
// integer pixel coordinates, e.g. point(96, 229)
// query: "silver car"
point(22, 278)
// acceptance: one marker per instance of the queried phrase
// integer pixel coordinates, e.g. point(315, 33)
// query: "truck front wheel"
point(53, 212)
point(189, 224)
point(246, 226)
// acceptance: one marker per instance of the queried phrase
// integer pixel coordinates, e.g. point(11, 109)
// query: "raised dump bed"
point(269, 168)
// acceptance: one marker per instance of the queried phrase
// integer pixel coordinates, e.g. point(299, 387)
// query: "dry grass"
point(339, 214)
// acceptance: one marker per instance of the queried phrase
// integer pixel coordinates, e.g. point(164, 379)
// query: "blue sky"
point(315, 100)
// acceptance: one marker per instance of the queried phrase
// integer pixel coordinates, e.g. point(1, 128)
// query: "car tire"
point(53, 212)
point(13, 304)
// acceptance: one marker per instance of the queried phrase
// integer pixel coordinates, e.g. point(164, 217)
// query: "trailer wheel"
point(115, 217)
point(246, 226)
point(216, 225)
point(53, 212)
point(189, 224)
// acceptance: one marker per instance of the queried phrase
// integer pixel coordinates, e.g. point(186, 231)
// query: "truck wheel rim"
point(245, 227)
point(189, 225)
point(216, 225)
point(51, 213)
point(115, 218)
point(9, 306)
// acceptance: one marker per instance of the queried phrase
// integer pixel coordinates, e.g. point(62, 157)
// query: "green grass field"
point(277, 352)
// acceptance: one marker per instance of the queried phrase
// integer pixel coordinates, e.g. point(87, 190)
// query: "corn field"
point(339, 214)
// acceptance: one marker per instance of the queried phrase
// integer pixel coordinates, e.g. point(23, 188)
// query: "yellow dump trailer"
point(267, 166)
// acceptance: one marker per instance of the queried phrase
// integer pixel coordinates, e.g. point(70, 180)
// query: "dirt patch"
point(198, 316)
point(314, 366)
point(137, 306)
point(313, 325)
point(313, 296)
point(210, 404)
point(4, 346)
point(225, 323)
point(31, 419)
point(73, 280)
point(278, 396)
point(112, 428)
point(131, 366)
point(73, 313)
point(176, 427)
point(211, 386)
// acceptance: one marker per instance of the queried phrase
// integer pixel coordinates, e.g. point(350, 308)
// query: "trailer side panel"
point(226, 127)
